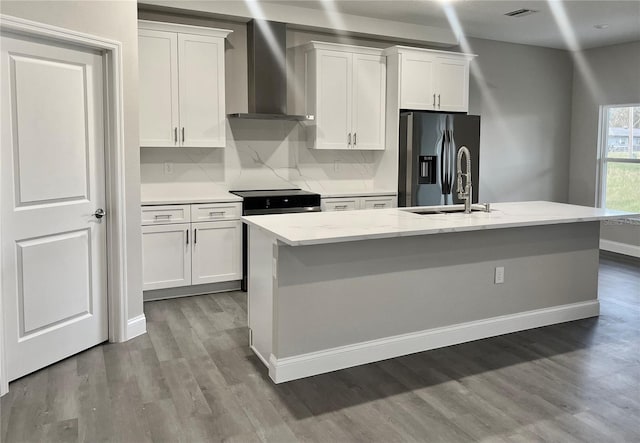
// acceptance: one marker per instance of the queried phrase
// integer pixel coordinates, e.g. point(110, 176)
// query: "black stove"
point(274, 201)
point(278, 201)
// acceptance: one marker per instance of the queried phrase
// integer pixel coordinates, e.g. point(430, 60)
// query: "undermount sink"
point(452, 209)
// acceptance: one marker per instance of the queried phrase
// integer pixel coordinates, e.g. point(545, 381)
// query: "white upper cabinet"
point(182, 99)
point(417, 89)
point(345, 89)
point(158, 70)
point(333, 99)
point(452, 85)
point(369, 97)
point(432, 80)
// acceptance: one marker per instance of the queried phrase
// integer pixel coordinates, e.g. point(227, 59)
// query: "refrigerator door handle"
point(410, 184)
point(443, 161)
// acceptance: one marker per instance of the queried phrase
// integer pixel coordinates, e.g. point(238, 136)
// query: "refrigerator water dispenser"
point(427, 167)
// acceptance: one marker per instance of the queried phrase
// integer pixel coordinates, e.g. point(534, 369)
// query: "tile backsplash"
point(263, 154)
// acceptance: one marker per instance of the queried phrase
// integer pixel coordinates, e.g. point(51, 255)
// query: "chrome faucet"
point(466, 193)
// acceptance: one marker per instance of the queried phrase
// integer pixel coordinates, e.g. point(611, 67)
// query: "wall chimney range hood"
point(267, 72)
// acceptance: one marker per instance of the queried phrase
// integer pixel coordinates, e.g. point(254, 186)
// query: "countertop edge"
point(191, 201)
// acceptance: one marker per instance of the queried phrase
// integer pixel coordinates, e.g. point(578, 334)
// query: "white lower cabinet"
point(166, 256)
point(184, 254)
point(216, 252)
point(354, 203)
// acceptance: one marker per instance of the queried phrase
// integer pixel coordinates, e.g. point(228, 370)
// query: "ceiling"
point(563, 24)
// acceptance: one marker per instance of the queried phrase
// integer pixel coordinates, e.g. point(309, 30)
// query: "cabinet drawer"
point(215, 211)
point(378, 203)
point(162, 215)
point(340, 204)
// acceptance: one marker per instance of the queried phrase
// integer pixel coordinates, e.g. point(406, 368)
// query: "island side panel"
point(261, 262)
point(341, 294)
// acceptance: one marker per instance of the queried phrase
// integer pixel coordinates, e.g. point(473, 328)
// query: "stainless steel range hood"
point(266, 62)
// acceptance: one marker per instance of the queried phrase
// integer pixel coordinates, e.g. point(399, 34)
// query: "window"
point(620, 158)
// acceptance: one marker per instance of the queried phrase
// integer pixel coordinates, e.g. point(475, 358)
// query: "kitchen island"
point(333, 290)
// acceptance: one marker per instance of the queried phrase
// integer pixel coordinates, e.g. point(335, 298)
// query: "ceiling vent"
point(521, 12)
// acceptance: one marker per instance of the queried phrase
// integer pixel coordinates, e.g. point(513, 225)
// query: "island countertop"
point(336, 227)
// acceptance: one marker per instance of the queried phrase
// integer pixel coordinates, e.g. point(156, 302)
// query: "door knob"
point(99, 213)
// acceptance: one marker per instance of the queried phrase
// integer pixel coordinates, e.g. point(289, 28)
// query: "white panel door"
point(158, 88)
point(202, 107)
point(52, 165)
point(369, 92)
point(417, 81)
point(333, 100)
point(166, 256)
point(216, 252)
point(452, 83)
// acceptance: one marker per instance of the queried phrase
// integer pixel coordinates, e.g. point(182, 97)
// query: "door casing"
point(114, 171)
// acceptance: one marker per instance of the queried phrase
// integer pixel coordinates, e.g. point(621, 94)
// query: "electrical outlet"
point(499, 275)
point(168, 168)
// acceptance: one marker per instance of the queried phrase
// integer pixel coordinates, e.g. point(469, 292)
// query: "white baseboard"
point(313, 363)
point(136, 326)
point(620, 248)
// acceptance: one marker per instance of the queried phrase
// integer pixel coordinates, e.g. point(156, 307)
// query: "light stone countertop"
point(343, 226)
point(184, 193)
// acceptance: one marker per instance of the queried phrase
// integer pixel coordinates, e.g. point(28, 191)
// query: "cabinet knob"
point(355, 138)
point(434, 100)
point(349, 139)
point(438, 102)
point(175, 135)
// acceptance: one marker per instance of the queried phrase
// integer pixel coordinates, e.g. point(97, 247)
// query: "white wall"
point(116, 20)
point(523, 95)
point(615, 72)
point(308, 18)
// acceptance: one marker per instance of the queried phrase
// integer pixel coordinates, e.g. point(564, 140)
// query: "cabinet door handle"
point(175, 135)
point(341, 207)
point(438, 104)
point(355, 138)
point(214, 213)
point(187, 236)
point(167, 216)
point(183, 134)
point(434, 100)
point(195, 236)
point(349, 139)
point(379, 205)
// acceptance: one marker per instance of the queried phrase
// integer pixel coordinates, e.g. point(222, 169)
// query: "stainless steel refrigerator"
point(429, 144)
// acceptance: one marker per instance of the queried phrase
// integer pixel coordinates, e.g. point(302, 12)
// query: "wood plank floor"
point(193, 378)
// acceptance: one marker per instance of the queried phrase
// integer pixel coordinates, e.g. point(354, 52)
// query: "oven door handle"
point(281, 210)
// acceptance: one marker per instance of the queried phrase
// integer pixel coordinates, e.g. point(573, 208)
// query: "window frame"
point(603, 160)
